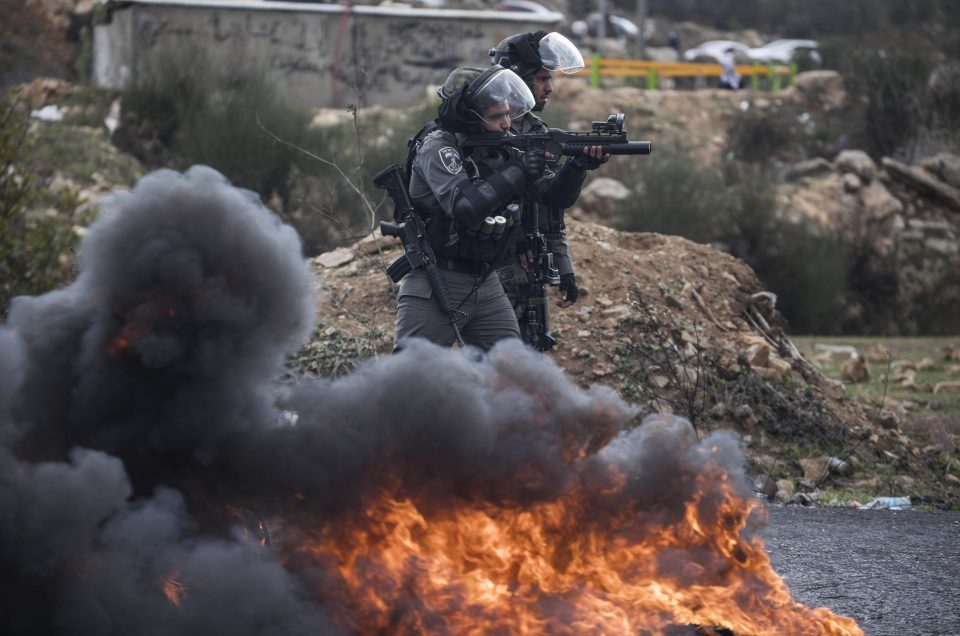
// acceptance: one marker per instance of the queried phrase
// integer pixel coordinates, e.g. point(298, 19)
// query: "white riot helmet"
point(527, 53)
point(557, 53)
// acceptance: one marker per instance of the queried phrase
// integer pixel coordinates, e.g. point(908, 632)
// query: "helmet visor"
point(501, 94)
point(559, 54)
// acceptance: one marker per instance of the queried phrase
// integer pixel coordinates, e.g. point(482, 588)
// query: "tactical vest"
point(448, 239)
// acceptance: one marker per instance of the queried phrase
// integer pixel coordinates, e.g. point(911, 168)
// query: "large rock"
point(811, 167)
point(878, 202)
point(602, 194)
point(824, 88)
point(858, 162)
point(922, 181)
point(945, 166)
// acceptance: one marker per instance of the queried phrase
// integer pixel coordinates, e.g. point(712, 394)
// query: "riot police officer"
point(535, 57)
point(458, 193)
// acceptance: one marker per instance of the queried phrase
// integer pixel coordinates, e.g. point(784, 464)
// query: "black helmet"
point(527, 53)
point(468, 92)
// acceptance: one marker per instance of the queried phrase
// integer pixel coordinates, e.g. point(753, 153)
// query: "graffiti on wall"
point(380, 59)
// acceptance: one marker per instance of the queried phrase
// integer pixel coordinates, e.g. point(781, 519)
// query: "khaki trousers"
point(489, 315)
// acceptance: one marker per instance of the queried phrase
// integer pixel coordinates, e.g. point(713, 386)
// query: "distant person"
point(673, 41)
point(535, 57)
point(729, 78)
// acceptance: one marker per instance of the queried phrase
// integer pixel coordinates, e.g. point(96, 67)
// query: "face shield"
point(557, 53)
point(497, 93)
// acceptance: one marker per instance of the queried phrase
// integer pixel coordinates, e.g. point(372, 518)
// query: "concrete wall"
point(318, 55)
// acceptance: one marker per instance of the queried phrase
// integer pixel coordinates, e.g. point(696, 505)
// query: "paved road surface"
point(896, 572)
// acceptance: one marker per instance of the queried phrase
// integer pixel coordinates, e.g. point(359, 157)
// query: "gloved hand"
point(568, 290)
point(586, 162)
point(533, 162)
point(591, 159)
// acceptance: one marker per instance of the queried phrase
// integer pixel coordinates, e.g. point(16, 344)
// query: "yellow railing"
point(653, 71)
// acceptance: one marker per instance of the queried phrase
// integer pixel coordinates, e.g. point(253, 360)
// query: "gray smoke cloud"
point(140, 407)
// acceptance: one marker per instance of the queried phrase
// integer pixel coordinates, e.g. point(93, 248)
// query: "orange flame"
point(547, 568)
point(174, 590)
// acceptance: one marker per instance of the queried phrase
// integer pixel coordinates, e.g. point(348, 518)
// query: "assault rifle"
point(609, 134)
point(541, 272)
point(416, 248)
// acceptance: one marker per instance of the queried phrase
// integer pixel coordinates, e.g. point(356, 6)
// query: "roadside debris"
point(888, 503)
point(48, 113)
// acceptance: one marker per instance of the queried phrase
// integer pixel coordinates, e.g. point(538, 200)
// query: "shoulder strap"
point(413, 145)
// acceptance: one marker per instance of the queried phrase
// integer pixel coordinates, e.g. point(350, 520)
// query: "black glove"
point(568, 283)
point(586, 162)
point(533, 162)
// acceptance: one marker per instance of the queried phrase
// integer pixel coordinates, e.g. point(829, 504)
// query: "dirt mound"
point(671, 324)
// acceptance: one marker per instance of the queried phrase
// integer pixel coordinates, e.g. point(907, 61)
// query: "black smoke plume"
point(140, 409)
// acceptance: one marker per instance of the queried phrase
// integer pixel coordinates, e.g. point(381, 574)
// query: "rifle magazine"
point(399, 268)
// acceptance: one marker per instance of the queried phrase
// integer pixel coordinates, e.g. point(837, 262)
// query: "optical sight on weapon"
point(614, 124)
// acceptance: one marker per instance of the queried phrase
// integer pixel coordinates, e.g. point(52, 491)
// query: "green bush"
point(326, 210)
point(736, 210)
point(186, 111)
point(756, 135)
point(673, 196)
point(32, 245)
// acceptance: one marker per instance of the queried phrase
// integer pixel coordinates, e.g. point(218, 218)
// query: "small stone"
point(659, 381)
point(905, 482)
point(887, 419)
point(786, 486)
point(766, 485)
point(878, 202)
point(815, 468)
point(839, 466)
point(803, 499)
point(855, 370)
point(744, 414)
point(953, 479)
point(817, 166)
point(851, 182)
point(947, 386)
point(758, 355)
point(335, 258)
point(832, 388)
point(805, 485)
point(773, 375)
point(934, 405)
point(673, 302)
point(877, 353)
point(857, 162)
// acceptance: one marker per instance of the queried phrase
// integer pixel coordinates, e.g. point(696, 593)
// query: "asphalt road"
point(895, 572)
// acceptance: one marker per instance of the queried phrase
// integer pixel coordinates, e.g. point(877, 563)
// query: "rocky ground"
point(671, 324)
point(682, 328)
